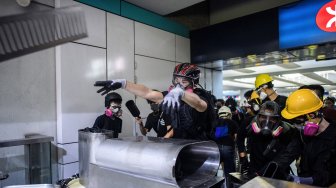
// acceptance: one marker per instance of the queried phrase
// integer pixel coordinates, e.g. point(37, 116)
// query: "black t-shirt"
point(188, 123)
point(280, 100)
point(223, 132)
point(109, 123)
point(159, 122)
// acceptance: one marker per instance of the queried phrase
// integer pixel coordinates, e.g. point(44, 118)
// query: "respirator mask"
point(113, 110)
point(305, 122)
point(185, 83)
point(267, 125)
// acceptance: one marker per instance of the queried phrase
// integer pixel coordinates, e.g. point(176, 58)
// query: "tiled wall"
point(130, 50)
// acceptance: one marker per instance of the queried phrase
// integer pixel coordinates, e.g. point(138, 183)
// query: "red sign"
point(326, 17)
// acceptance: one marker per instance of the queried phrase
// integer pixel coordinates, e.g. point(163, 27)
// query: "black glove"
point(244, 170)
point(110, 85)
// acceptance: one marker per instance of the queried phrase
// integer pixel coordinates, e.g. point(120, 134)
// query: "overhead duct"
point(29, 32)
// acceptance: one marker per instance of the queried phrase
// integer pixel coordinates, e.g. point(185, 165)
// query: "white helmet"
point(225, 112)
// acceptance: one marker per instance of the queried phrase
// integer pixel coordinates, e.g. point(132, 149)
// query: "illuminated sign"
point(326, 17)
point(307, 22)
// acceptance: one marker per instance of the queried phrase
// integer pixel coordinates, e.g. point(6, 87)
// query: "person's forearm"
point(143, 91)
point(143, 130)
point(195, 101)
point(169, 134)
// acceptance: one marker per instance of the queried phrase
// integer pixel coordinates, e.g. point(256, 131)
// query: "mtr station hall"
point(165, 94)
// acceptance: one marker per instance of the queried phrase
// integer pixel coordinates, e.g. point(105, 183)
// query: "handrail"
point(26, 141)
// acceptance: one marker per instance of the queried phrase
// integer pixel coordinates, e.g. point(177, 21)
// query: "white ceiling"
point(164, 7)
point(286, 79)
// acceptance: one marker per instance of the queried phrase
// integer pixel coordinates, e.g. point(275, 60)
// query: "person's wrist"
point(123, 83)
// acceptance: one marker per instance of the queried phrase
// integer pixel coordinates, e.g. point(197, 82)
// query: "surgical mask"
point(154, 107)
point(255, 107)
point(262, 95)
point(310, 128)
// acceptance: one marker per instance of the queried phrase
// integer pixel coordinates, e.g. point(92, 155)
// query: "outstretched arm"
point(137, 89)
point(194, 101)
point(144, 92)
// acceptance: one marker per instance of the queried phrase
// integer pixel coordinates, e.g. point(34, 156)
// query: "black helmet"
point(270, 108)
point(113, 96)
point(187, 70)
point(268, 118)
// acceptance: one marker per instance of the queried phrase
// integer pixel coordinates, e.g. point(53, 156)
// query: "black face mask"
point(154, 107)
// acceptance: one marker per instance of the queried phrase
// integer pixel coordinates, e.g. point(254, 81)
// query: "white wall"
point(27, 100)
point(121, 48)
point(51, 92)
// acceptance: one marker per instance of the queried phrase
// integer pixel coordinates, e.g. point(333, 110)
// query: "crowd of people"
point(270, 131)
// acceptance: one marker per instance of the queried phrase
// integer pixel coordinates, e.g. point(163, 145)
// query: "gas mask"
point(266, 126)
point(304, 122)
point(184, 83)
point(113, 110)
point(310, 128)
point(154, 107)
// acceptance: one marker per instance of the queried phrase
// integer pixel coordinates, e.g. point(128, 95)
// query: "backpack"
point(220, 130)
point(211, 112)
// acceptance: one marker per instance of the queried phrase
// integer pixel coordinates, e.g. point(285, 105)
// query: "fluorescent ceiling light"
point(237, 84)
point(231, 92)
point(292, 76)
point(244, 70)
point(246, 80)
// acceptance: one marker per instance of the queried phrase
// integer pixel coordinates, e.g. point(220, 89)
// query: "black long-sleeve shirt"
point(317, 156)
point(257, 145)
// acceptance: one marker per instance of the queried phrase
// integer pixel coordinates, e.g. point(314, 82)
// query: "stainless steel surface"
point(262, 182)
point(26, 141)
point(25, 33)
point(34, 186)
point(87, 145)
point(141, 160)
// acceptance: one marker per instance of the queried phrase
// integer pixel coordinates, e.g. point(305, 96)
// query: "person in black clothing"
point(315, 143)
point(268, 137)
point(191, 108)
point(218, 104)
point(224, 134)
point(264, 87)
point(110, 120)
point(157, 121)
point(252, 110)
point(328, 113)
point(237, 114)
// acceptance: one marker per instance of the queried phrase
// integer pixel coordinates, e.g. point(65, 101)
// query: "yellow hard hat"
point(254, 95)
point(262, 79)
point(301, 102)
